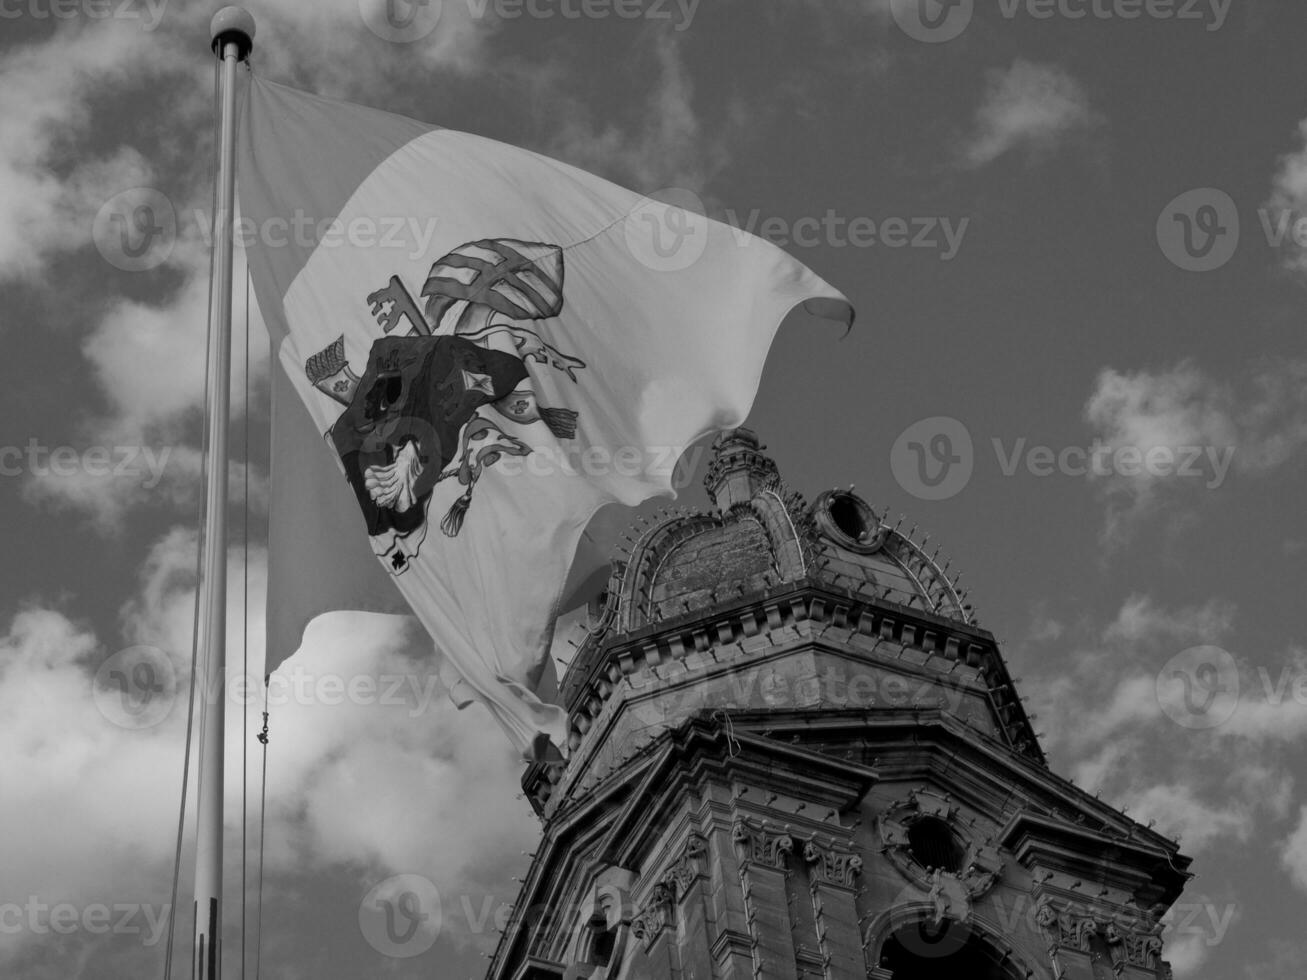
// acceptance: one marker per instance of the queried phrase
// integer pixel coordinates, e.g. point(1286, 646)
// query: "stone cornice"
point(599, 669)
point(1144, 863)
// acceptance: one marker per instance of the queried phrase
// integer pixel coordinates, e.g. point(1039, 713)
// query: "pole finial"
point(232, 25)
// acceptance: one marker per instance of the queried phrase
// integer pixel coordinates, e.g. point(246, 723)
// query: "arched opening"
point(933, 844)
point(847, 514)
point(950, 951)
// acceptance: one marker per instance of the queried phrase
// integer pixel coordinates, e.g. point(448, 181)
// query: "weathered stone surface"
point(795, 755)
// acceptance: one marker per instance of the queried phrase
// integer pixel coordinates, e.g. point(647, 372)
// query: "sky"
point(1075, 232)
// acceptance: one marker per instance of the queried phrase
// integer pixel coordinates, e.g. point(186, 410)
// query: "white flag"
point(484, 346)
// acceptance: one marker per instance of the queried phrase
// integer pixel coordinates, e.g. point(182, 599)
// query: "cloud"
point(1284, 958)
point(1289, 195)
point(1187, 952)
point(1142, 621)
point(148, 360)
point(1101, 711)
point(669, 148)
point(1028, 106)
point(1201, 428)
point(372, 771)
point(50, 185)
point(1294, 855)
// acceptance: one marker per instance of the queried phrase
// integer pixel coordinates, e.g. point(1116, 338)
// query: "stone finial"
point(739, 468)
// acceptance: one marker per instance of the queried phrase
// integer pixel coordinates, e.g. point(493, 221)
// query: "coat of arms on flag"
point(425, 408)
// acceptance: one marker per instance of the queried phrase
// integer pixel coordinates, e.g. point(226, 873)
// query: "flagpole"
point(232, 34)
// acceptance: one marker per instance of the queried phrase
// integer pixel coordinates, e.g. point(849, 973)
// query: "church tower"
point(795, 755)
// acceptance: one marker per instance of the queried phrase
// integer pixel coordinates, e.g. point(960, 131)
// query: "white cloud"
point(47, 196)
point(1203, 428)
point(365, 782)
point(1142, 621)
point(1289, 195)
point(1101, 712)
point(670, 149)
point(1187, 952)
point(1294, 855)
point(1178, 811)
point(1028, 106)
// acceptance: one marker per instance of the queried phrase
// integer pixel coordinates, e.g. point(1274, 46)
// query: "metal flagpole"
point(232, 32)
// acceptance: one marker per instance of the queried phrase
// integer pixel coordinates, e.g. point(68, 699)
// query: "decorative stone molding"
point(758, 846)
point(682, 874)
point(1131, 940)
point(831, 865)
point(979, 868)
point(659, 912)
point(654, 917)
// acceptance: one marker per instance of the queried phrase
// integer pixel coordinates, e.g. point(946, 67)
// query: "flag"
point(478, 347)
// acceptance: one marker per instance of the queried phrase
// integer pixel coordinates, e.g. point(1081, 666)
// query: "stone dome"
point(740, 606)
point(761, 534)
